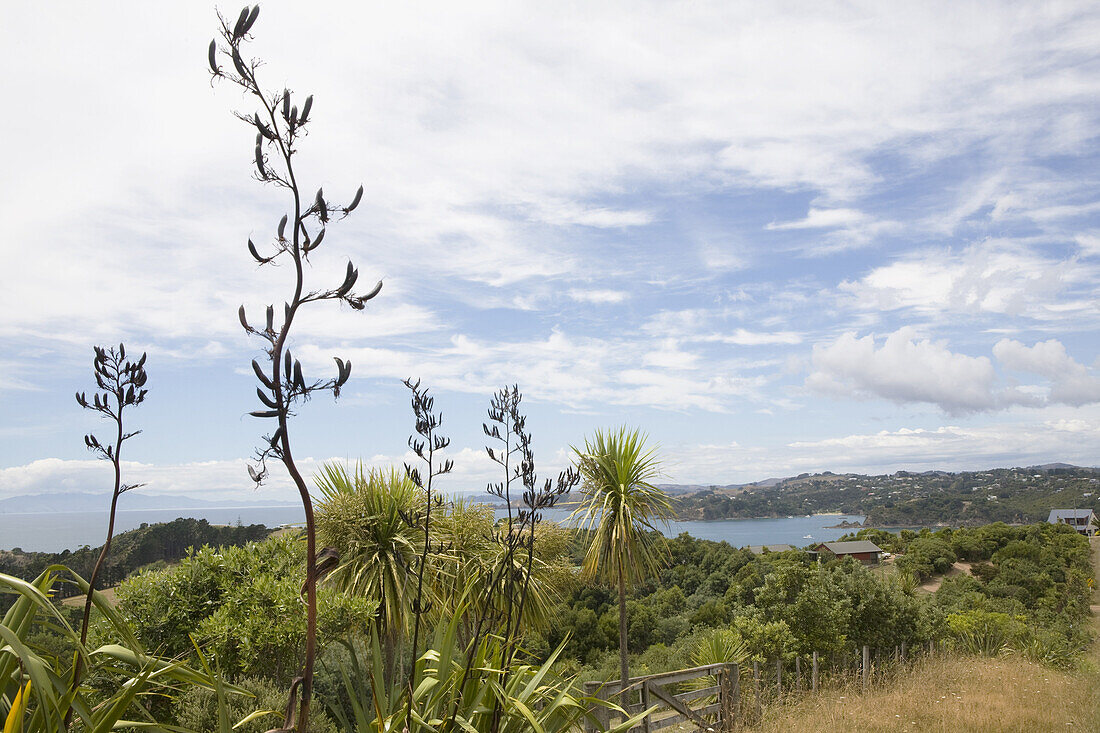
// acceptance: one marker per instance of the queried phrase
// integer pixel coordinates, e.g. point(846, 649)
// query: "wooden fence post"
point(815, 672)
point(736, 691)
point(593, 689)
point(903, 651)
point(756, 688)
point(645, 706)
point(727, 711)
point(797, 673)
point(779, 678)
point(866, 664)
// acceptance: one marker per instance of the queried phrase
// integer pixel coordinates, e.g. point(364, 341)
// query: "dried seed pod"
point(349, 280)
point(244, 322)
point(374, 291)
point(355, 201)
point(212, 56)
point(238, 63)
point(266, 400)
point(255, 254)
point(261, 376)
point(251, 19)
point(242, 19)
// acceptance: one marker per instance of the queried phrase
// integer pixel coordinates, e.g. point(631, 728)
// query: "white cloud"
point(599, 296)
point(221, 480)
point(822, 219)
point(1071, 381)
point(707, 326)
point(599, 217)
point(994, 277)
point(1089, 244)
point(744, 337)
point(907, 368)
point(480, 133)
point(949, 447)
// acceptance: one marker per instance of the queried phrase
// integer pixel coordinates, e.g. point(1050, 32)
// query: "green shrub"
point(197, 709)
point(242, 604)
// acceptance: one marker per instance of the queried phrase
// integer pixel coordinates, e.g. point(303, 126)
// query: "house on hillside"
point(864, 551)
point(761, 549)
point(1080, 519)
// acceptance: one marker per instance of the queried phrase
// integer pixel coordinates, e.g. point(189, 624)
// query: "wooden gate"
point(709, 709)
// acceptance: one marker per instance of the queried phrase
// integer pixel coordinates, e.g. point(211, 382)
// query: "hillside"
point(1011, 495)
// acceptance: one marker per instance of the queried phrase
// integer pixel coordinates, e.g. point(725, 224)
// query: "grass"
point(954, 694)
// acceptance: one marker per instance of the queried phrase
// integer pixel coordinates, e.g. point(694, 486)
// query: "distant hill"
point(85, 502)
point(909, 499)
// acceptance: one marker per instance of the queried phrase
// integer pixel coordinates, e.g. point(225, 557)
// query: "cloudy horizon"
point(782, 238)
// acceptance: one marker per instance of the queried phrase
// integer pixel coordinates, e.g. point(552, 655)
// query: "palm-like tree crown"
point(365, 516)
point(622, 507)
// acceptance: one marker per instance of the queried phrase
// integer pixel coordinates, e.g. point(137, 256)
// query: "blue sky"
point(779, 237)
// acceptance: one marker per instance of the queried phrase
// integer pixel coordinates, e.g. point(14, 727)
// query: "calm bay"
point(57, 531)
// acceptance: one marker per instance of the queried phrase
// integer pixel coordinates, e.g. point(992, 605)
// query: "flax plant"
point(280, 125)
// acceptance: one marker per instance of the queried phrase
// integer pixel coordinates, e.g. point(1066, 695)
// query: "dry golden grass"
point(954, 694)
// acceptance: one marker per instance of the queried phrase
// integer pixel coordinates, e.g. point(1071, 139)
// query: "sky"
point(777, 237)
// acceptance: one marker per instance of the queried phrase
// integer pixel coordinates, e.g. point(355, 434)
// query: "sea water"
point(59, 531)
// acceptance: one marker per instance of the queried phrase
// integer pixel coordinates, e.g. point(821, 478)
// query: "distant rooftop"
point(1061, 515)
point(759, 549)
point(851, 548)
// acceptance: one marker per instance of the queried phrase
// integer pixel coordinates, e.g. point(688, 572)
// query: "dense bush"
point(242, 604)
point(786, 604)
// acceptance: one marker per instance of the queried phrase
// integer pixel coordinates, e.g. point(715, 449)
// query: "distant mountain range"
point(84, 502)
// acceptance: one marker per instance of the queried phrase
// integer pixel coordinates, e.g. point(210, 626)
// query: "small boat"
point(807, 537)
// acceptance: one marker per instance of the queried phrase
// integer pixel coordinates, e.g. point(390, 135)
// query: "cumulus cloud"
point(1071, 382)
point(907, 368)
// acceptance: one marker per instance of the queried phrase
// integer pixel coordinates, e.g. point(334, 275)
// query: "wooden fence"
point(710, 707)
point(717, 705)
